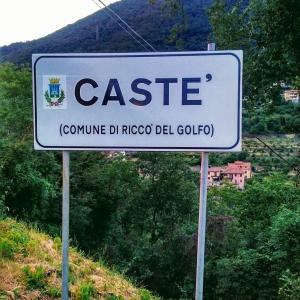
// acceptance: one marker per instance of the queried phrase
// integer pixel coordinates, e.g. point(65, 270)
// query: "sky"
point(25, 20)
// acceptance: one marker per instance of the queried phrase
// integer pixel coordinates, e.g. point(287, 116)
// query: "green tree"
point(268, 32)
point(152, 235)
point(262, 241)
point(28, 184)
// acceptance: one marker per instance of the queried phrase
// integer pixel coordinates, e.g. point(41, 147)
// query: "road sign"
point(183, 101)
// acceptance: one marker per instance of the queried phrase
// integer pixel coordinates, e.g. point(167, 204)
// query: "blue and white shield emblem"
point(54, 92)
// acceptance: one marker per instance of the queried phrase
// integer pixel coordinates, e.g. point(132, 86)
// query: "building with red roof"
point(237, 173)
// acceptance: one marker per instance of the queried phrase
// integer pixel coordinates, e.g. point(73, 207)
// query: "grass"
point(86, 291)
point(30, 268)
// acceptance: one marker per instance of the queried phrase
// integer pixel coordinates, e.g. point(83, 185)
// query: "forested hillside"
point(152, 21)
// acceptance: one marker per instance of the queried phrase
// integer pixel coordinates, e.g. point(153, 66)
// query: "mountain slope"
point(149, 20)
point(30, 268)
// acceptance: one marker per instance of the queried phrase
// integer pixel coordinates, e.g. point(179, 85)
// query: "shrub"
point(145, 295)
point(54, 292)
point(290, 286)
point(7, 248)
point(57, 243)
point(13, 239)
point(86, 291)
point(35, 279)
point(3, 210)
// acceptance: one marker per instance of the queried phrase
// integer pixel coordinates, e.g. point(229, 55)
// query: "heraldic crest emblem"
point(54, 94)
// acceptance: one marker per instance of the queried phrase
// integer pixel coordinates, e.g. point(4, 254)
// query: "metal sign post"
point(202, 216)
point(65, 225)
point(201, 226)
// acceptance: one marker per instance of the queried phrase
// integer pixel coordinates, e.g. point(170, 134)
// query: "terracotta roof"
point(233, 171)
point(215, 169)
point(241, 165)
point(238, 167)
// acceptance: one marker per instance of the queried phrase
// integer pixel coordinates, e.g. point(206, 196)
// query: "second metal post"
point(202, 216)
point(201, 226)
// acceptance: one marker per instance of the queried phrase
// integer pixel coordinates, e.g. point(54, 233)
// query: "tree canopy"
point(268, 32)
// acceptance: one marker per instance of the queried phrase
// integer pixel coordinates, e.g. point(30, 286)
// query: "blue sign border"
point(107, 148)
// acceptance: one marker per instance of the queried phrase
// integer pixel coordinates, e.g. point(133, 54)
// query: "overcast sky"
point(25, 20)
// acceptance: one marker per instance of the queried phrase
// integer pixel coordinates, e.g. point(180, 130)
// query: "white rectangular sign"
point(182, 101)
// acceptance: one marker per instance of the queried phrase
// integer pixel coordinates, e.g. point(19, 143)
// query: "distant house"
point(236, 176)
point(237, 173)
point(215, 176)
point(244, 166)
point(291, 95)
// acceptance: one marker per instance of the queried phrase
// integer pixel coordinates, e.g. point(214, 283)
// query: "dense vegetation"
point(268, 32)
point(283, 118)
point(139, 211)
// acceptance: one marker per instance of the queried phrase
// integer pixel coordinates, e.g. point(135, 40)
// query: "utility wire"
point(135, 35)
point(127, 25)
point(278, 155)
point(124, 28)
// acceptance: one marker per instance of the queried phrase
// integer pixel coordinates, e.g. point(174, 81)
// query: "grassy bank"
point(30, 268)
